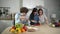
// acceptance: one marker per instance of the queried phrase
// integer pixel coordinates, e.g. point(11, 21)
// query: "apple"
point(13, 27)
point(24, 27)
point(22, 30)
point(20, 25)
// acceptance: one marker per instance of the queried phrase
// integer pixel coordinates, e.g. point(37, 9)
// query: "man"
point(21, 16)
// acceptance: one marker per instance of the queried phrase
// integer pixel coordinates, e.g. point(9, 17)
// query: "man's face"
point(23, 13)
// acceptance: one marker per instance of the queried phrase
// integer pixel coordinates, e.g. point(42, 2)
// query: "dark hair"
point(34, 10)
point(23, 10)
point(32, 14)
point(40, 10)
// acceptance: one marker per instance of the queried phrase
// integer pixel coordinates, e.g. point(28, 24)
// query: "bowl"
point(32, 29)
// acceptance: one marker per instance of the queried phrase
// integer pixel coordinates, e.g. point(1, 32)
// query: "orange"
point(23, 30)
point(12, 30)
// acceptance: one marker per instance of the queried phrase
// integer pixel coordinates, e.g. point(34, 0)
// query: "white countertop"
point(43, 29)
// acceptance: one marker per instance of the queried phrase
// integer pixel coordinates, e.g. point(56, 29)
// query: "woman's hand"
point(33, 21)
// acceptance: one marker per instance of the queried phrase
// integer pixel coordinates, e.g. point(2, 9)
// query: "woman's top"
point(34, 17)
point(42, 18)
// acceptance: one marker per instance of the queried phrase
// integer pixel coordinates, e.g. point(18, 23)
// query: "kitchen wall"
point(13, 4)
point(32, 3)
point(53, 7)
point(16, 4)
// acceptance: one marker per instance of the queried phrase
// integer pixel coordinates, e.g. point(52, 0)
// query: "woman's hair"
point(40, 10)
point(32, 14)
point(23, 10)
point(34, 10)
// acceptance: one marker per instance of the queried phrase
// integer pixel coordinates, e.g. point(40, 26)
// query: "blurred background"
point(8, 8)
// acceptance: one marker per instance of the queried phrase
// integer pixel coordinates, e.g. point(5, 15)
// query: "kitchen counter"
point(43, 29)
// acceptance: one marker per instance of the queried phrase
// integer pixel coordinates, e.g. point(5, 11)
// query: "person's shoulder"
point(44, 15)
point(18, 13)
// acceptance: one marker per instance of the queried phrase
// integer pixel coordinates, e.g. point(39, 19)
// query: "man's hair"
point(23, 10)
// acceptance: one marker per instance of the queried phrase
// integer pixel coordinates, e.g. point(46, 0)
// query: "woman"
point(42, 17)
point(34, 19)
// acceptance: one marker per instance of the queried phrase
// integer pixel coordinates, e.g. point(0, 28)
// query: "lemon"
point(17, 28)
point(19, 31)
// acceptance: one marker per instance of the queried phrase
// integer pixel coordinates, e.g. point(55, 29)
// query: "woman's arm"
point(46, 19)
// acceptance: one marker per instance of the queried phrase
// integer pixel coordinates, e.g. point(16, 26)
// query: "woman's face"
point(35, 12)
point(40, 12)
